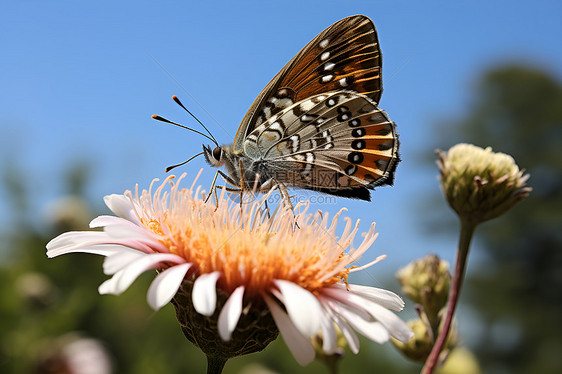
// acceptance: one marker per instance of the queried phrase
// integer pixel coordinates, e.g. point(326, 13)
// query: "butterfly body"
point(317, 124)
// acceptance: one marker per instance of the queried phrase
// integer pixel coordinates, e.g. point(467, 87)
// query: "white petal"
point(349, 335)
point(329, 336)
point(125, 277)
point(165, 285)
point(129, 231)
point(122, 207)
point(302, 306)
point(204, 293)
point(102, 221)
point(372, 330)
point(299, 345)
point(383, 297)
point(102, 250)
point(84, 241)
point(347, 332)
point(117, 261)
point(230, 314)
point(118, 227)
point(77, 238)
point(395, 326)
point(88, 242)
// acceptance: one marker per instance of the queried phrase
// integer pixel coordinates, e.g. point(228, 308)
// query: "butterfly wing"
point(338, 142)
point(345, 56)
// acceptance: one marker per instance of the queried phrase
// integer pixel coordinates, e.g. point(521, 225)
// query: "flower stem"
point(332, 362)
point(467, 231)
point(215, 364)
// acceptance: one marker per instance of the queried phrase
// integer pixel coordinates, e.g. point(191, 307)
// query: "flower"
point(221, 264)
point(480, 184)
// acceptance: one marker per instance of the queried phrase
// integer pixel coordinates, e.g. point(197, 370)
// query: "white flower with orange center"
point(229, 262)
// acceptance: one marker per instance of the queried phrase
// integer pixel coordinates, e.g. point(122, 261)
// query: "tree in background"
point(518, 110)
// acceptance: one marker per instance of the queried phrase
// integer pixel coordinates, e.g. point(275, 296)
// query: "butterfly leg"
point(213, 188)
point(287, 198)
point(242, 177)
point(285, 195)
point(229, 189)
point(272, 184)
point(267, 209)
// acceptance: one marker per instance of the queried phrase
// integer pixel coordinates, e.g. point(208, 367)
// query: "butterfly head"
point(222, 155)
point(214, 156)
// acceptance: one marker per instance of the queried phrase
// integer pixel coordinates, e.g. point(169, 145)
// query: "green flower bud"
point(480, 184)
point(426, 282)
point(419, 347)
point(460, 361)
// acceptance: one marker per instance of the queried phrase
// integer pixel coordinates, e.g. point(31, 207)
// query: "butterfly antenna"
point(183, 163)
point(175, 98)
point(162, 119)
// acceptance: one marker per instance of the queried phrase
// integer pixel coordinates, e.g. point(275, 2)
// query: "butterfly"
point(317, 124)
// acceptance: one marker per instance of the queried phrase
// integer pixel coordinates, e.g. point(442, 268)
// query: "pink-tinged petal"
point(118, 227)
point(299, 345)
point(125, 277)
point(395, 326)
point(76, 239)
point(330, 295)
point(121, 205)
point(117, 261)
point(104, 246)
point(102, 243)
point(372, 330)
point(165, 285)
point(102, 250)
point(347, 332)
point(302, 306)
point(204, 293)
point(230, 314)
point(329, 336)
point(88, 242)
point(383, 297)
point(102, 221)
point(129, 231)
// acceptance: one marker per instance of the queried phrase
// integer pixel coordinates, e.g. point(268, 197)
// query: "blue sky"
point(79, 81)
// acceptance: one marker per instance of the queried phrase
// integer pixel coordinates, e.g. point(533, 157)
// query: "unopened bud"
point(426, 282)
point(460, 361)
point(419, 347)
point(479, 184)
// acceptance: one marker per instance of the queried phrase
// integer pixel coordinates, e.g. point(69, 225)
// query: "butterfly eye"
point(217, 153)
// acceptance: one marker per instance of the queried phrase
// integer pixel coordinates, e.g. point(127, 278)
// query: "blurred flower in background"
point(67, 213)
point(73, 354)
point(35, 289)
